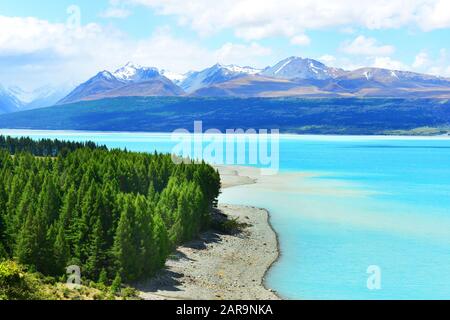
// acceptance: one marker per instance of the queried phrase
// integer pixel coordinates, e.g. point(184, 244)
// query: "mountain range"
point(369, 116)
point(130, 80)
point(15, 99)
point(291, 77)
point(8, 102)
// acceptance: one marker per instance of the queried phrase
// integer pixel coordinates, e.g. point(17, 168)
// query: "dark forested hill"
point(116, 214)
point(290, 115)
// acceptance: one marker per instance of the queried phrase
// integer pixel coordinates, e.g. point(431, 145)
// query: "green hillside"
point(115, 214)
point(290, 115)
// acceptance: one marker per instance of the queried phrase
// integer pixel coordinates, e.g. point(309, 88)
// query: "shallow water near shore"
point(381, 201)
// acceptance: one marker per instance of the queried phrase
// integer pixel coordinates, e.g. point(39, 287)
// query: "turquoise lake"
point(367, 201)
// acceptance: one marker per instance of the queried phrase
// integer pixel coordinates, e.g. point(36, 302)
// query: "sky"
point(65, 42)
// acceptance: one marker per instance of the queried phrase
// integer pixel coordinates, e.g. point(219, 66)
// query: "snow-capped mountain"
point(41, 97)
point(22, 95)
point(299, 68)
point(176, 78)
point(8, 103)
point(298, 77)
point(216, 74)
point(135, 73)
point(390, 76)
point(293, 76)
point(129, 80)
point(101, 82)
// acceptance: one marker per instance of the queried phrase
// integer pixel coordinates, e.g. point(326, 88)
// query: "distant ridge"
point(129, 80)
point(215, 75)
point(291, 77)
point(135, 80)
point(8, 103)
point(290, 115)
point(298, 68)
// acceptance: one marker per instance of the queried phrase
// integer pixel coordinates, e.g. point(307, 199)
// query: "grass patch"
point(422, 131)
point(17, 283)
point(227, 225)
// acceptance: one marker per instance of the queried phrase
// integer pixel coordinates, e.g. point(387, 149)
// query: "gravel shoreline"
point(220, 266)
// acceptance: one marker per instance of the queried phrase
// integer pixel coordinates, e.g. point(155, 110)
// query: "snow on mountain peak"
point(299, 68)
point(176, 78)
point(22, 95)
point(134, 72)
point(39, 97)
point(235, 69)
point(216, 74)
point(368, 75)
point(130, 64)
point(106, 75)
point(8, 96)
point(282, 66)
point(244, 70)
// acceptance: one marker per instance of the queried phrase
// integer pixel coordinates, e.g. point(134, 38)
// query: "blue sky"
point(50, 42)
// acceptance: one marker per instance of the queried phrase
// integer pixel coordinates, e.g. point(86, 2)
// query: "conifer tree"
point(116, 284)
point(125, 249)
point(103, 278)
point(15, 194)
point(49, 200)
point(161, 242)
point(61, 251)
point(3, 200)
point(25, 206)
point(110, 212)
point(68, 218)
point(32, 241)
point(95, 251)
point(85, 224)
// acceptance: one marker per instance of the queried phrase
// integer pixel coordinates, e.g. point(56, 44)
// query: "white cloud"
point(26, 35)
point(424, 62)
point(114, 12)
point(327, 59)
point(165, 51)
point(421, 60)
point(435, 15)
point(242, 54)
point(34, 52)
point(301, 40)
point(55, 52)
point(348, 30)
point(437, 64)
point(357, 62)
point(389, 63)
point(116, 9)
point(255, 19)
point(366, 47)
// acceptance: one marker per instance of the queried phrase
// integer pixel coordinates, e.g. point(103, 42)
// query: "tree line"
point(114, 213)
point(43, 147)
